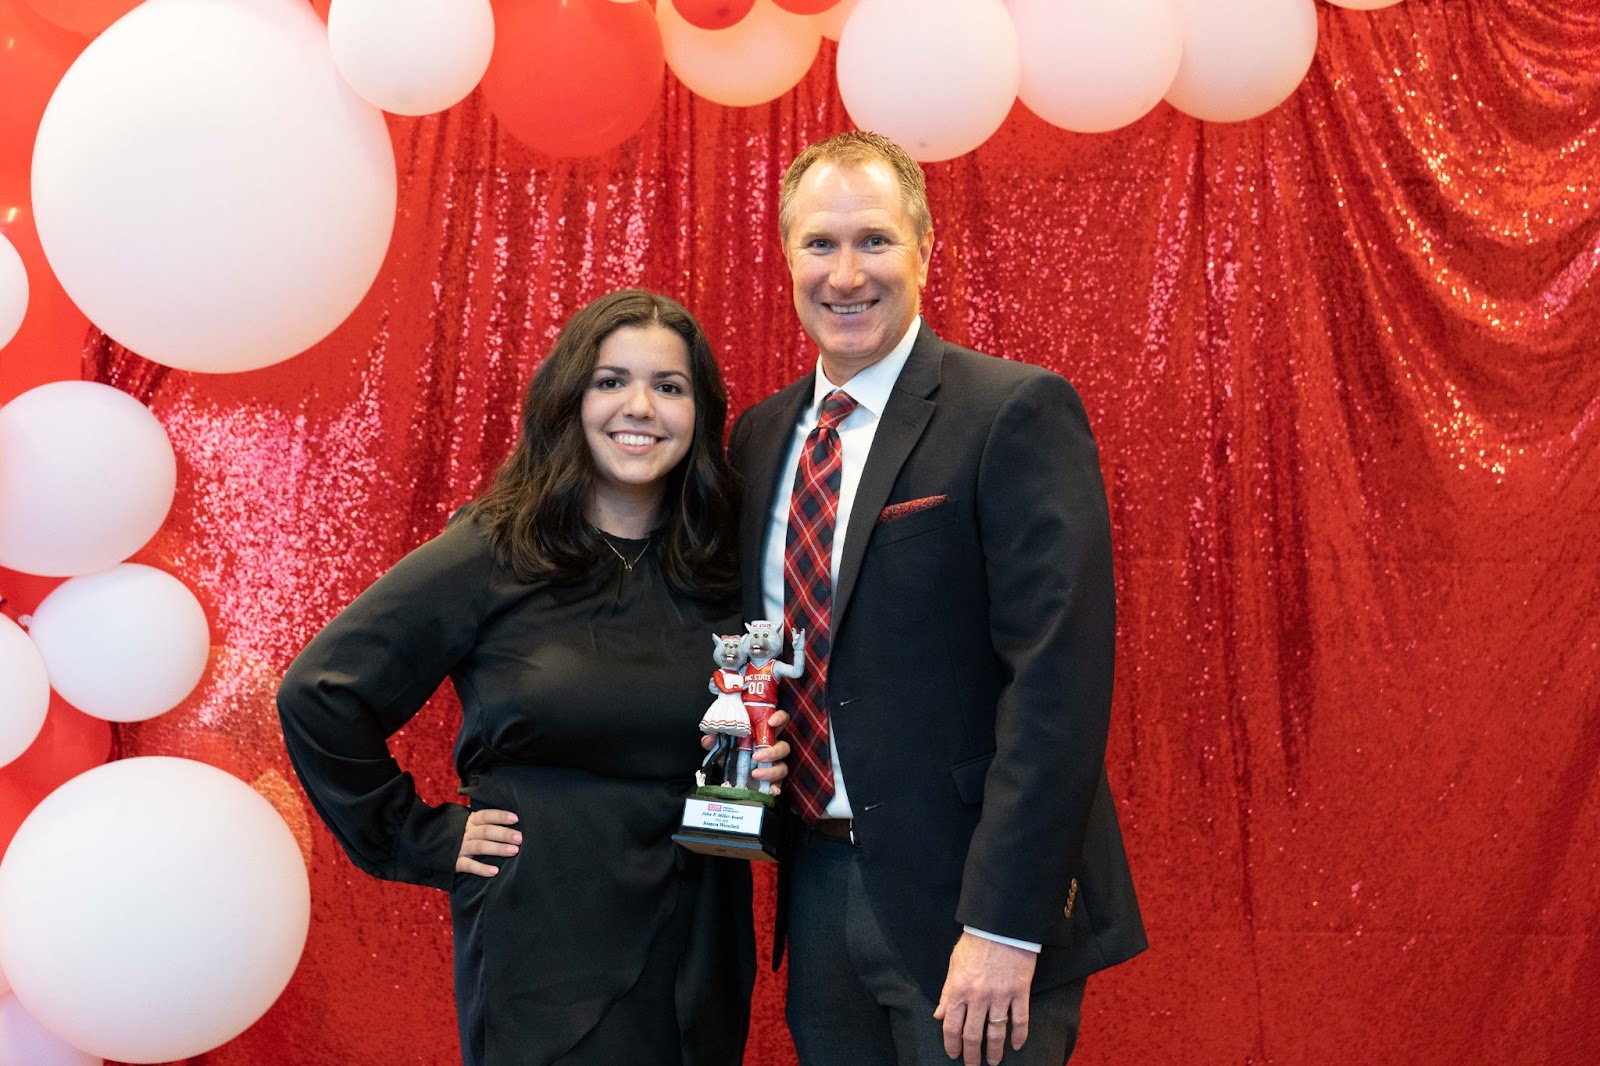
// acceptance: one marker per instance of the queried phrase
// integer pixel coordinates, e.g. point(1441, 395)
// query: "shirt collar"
point(872, 386)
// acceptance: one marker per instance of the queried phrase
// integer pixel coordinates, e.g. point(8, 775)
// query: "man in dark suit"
point(935, 519)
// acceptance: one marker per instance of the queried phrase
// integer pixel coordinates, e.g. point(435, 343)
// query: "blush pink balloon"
point(411, 57)
point(1241, 58)
point(13, 291)
point(831, 21)
point(249, 194)
point(938, 76)
point(759, 59)
point(24, 691)
point(125, 644)
point(202, 947)
point(1092, 66)
point(87, 476)
point(24, 1040)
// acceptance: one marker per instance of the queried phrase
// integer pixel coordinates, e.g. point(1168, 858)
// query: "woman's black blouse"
point(606, 677)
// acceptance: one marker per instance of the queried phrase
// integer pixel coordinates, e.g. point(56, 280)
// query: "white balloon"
point(831, 22)
point(24, 693)
point(1092, 66)
point(87, 476)
point(13, 291)
point(759, 58)
point(1241, 58)
point(152, 909)
point(24, 1042)
point(938, 76)
point(207, 188)
point(125, 644)
point(1363, 5)
point(411, 57)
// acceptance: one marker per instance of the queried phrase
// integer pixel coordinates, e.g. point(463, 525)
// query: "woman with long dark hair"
point(570, 606)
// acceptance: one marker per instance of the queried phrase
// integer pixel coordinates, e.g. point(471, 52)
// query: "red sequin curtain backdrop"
point(1342, 366)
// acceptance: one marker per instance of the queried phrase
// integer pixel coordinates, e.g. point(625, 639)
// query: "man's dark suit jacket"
point(969, 684)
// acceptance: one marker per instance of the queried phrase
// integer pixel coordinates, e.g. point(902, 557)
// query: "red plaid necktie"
point(808, 602)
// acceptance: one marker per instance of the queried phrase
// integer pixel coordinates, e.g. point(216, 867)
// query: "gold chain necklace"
point(627, 564)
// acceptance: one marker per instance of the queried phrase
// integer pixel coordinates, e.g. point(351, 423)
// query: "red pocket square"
point(900, 510)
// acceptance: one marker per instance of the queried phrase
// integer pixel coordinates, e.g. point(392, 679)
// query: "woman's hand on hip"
point(488, 832)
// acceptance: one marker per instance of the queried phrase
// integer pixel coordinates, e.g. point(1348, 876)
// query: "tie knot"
point(836, 407)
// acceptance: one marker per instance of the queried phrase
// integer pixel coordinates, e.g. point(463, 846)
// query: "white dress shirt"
point(870, 389)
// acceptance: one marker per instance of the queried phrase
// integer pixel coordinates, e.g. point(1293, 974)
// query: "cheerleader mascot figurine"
point(726, 718)
point(763, 642)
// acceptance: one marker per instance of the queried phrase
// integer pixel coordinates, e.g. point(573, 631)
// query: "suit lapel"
point(762, 467)
point(904, 418)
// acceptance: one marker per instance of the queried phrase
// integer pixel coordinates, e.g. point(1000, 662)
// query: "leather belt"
point(837, 829)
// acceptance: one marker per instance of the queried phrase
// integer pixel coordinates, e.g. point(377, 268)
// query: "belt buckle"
point(849, 833)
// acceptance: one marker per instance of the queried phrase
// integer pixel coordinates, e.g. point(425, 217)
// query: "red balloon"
point(70, 743)
point(712, 14)
point(806, 7)
point(49, 344)
point(14, 807)
point(33, 56)
point(83, 16)
point(22, 593)
point(573, 77)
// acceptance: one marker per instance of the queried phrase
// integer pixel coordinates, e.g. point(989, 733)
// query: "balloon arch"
point(248, 188)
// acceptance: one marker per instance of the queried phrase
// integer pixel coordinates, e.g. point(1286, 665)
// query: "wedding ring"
point(1000, 1020)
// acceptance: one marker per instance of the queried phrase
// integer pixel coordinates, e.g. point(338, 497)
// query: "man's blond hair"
point(855, 148)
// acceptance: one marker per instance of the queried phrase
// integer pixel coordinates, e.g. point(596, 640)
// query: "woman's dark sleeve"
point(361, 679)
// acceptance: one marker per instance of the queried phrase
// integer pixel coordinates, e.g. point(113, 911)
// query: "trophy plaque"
point(732, 823)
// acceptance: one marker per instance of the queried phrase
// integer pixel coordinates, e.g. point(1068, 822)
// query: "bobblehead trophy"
point(732, 819)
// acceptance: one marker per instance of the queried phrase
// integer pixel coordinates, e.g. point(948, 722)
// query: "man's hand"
point(987, 986)
point(775, 755)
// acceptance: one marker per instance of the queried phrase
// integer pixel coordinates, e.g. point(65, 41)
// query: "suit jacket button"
point(1072, 897)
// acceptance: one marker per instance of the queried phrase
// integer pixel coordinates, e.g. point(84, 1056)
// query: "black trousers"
point(851, 1002)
